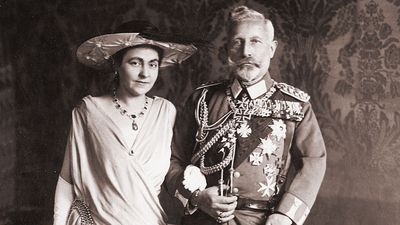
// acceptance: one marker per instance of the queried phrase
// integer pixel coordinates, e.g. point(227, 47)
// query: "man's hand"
point(278, 219)
point(219, 207)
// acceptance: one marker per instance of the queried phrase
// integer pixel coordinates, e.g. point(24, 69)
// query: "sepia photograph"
point(200, 112)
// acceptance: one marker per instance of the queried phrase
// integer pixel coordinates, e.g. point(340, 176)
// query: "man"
point(250, 150)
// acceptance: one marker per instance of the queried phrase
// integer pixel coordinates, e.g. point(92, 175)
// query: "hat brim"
point(96, 51)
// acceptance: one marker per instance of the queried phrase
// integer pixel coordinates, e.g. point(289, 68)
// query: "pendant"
point(134, 125)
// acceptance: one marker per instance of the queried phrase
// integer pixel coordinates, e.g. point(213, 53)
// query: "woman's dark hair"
point(118, 56)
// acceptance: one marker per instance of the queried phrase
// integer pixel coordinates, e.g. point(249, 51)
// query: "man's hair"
point(243, 14)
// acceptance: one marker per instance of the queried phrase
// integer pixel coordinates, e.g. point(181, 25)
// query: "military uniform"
point(263, 141)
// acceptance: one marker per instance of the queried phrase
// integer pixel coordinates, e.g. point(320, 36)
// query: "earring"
point(116, 76)
point(116, 81)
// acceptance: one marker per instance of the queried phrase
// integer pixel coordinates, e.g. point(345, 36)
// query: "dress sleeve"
point(76, 130)
point(64, 195)
point(75, 142)
point(309, 156)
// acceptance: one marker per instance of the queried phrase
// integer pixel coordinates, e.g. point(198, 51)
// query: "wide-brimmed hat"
point(96, 51)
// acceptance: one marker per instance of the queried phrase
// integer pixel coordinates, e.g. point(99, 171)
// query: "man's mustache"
point(247, 60)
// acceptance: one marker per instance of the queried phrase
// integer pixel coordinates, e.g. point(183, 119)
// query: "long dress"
point(120, 184)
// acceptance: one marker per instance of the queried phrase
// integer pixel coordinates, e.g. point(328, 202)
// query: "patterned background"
point(344, 53)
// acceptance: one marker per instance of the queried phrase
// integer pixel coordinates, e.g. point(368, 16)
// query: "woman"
point(118, 149)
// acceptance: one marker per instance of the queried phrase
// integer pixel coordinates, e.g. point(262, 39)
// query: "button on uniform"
point(236, 174)
point(235, 190)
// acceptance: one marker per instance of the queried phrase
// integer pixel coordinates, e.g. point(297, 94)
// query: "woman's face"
point(138, 70)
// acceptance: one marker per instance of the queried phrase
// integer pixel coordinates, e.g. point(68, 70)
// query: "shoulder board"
point(293, 92)
point(210, 84)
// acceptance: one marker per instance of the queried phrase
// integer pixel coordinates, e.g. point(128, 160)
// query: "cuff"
point(189, 209)
point(181, 198)
point(294, 208)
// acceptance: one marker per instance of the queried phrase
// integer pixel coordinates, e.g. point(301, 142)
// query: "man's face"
point(250, 50)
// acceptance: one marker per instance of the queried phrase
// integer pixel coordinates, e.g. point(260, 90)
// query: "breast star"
point(267, 146)
point(278, 129)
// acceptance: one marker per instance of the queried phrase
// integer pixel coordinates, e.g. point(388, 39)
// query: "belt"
point(247, 203)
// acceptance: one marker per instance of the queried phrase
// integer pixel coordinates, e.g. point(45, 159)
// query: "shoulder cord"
point(204, 147)
point(201, 115)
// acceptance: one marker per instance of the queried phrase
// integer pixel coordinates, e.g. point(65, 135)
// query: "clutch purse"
point(79, 214)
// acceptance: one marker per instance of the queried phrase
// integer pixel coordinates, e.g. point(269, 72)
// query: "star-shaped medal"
point(267, 146)
point(269, 169)
point(244, 130)
point(278, 129)
point(256, 158)
point(267, 189)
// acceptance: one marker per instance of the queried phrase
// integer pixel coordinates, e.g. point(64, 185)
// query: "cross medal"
point(241, 116)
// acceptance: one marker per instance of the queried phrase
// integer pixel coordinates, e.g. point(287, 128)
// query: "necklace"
point(133, 117)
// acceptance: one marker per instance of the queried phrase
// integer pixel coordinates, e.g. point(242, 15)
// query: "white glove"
point(62, 201)
point(193, 179)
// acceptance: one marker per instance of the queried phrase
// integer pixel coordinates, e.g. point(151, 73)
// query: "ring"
point(219, 220)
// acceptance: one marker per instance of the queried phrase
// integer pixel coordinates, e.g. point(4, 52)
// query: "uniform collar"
point(255, 90)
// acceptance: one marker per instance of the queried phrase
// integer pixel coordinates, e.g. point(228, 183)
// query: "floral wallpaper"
point(344, 53)
point(370, 73)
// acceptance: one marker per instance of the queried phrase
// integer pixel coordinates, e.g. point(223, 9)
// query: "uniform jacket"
point(279, 151)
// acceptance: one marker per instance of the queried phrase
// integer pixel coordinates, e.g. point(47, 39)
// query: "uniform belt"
point(247, 203)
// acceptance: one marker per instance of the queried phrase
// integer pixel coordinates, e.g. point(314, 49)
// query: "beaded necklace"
point(133, 117)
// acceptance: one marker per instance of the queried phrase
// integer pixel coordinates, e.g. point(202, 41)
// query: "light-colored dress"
point(120, 184)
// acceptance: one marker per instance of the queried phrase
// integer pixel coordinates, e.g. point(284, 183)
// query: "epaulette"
point(294, 92)
point(210, 84)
